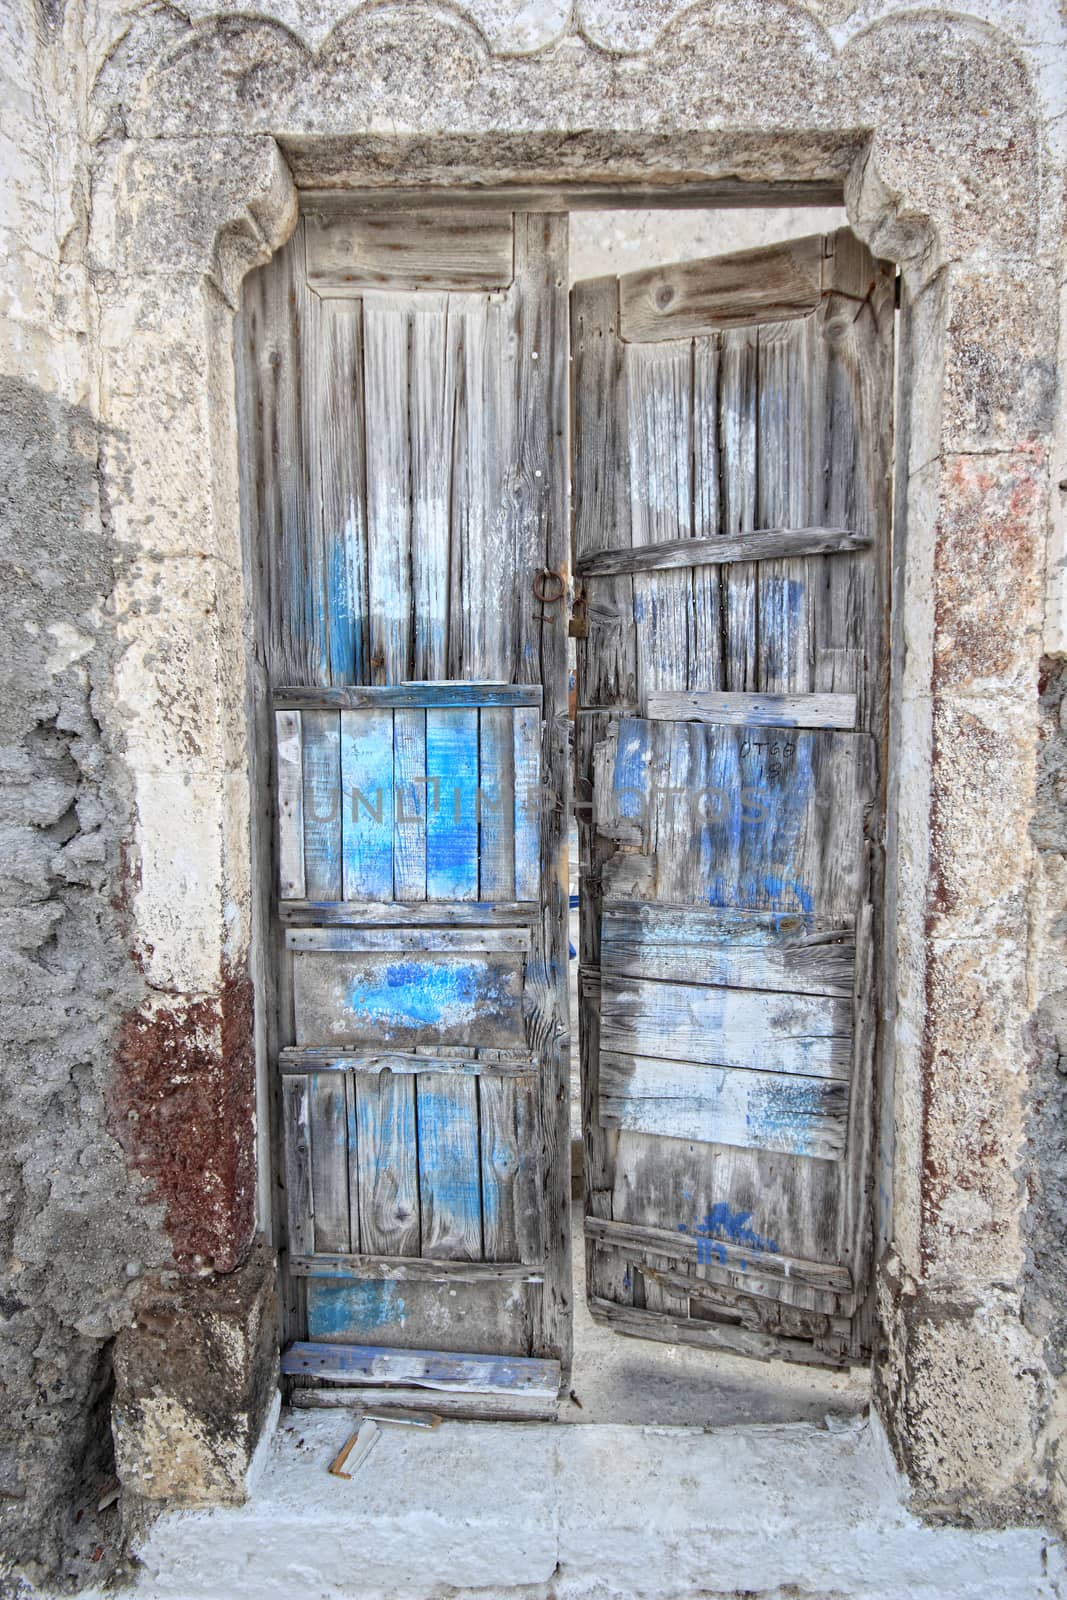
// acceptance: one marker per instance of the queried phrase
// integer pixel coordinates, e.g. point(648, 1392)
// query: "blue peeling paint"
point(723, 1225)
point(782, 1114)
point(342, 1310)
point(437, 994)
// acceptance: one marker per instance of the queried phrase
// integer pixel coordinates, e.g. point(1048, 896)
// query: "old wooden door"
point(405, 389)
point(731, 478)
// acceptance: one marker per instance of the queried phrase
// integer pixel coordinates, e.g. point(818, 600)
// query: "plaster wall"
point(152, 156)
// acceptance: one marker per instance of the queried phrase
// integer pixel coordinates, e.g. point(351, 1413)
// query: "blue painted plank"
point(527, 759)
point(388, 1188)
point(375, 1364)
point(409, 817)
point(321, 757)
point(340, 1309)
point(367, 786)
point(452, 820)
point(496, 804)
point(449, 1176)
point(407, 998)
point(358, 695)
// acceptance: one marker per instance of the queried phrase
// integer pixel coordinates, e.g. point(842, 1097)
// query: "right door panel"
point(732, 428)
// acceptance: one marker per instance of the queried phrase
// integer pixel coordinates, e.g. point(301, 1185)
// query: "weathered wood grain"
point(760, 710)
point(755, 545)
point(738, 446)
point(526, 768)
point(461, 1407)
point(456, 1373)
point(367, 785)
point(474, 913)
point(694, 297)
point(452, 804)
point(410, 798)
point(386, 323)
point(414, 1269)
point(802, 1116)
point(708, 1335)
point(290, 783)
point(450, 1194)
point(400, 938)
point(408, 249)
point(738, 949)
point(408, 998)
point(496, 803)
point(510, 1161)
point(809, 1034)
point(388, 1190)
point(296, 1133)
point(338, 424)
point(495, 1063)
point(359, 697)
point(321, 754)
point(430, 413)
point(329, 1162)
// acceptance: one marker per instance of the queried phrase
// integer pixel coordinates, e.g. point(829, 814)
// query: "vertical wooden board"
point(511, 1197)
point(737, 443)
point(496, 804)
point(410, 799)
point(388, 1164)
point(352, 1124)
point(290, 770)
point(329, 1160)
point(321, 753)
point(386, 322)
point(449, 1169)
point(788, 590)
point(705, 659)
point(527, 791)
point(296, 1136)
point(606, 659)
point(339, 424)
point(452, 820)
point(367, 785)
point(430, 426)
point(659, 382)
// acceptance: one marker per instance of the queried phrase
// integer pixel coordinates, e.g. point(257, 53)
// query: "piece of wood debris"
point(405, 1416)
point(356, 1449)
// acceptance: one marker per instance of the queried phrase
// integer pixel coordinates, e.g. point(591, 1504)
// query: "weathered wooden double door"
point(405, 387)
point(732, 444)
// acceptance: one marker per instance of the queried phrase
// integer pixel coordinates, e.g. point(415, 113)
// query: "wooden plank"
point(766, 1110)
point(409, 808)
point(498, 1063)
point(737, 454)
point(527, 770)
point(430, 423)
point(329, 1161)
point(385, 358)
point(388, 1189)
point(709, 1335)
point(808, 1034)
point(704, 666)
point(367, 804)
point(444, 1371)
point(737, 949)
point(428, 939)
point(678, 194)
point(409, 1269)
point(693, 297)
point(452, 819)
point(659, 391)
point(408, 249)
point(506, 913)
point(496, 804)
point(408, 998)
point(706, 1248)
point(483, 1316)
point(510, 1160)
point(291, 881)
point(787, 473)
point(763, 710)
point(296, 1135)
point(321, 753)
point(460, 1407)
point(449, 1168)
point(339, 426)
point(757, 544)
point(359, 697)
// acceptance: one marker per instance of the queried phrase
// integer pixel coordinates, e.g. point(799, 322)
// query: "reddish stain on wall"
point(182, 1105)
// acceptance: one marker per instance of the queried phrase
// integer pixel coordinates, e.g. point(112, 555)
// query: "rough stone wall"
point(152, 154)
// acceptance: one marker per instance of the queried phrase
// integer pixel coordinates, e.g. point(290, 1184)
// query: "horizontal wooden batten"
point(738, 949)
point(370, 1063)
point(356, 913)
point(465, 1407)
point(683, 1246)
point(688, 298)
point(754, 710)
point(679, 195)
point(367, 697)
point(392, 248)
point(709, 1335)
point(386, 939)
point(413, 1269)
point(422, 1369)
point(763, 1030)
point(763, 544)
point(777, 1111)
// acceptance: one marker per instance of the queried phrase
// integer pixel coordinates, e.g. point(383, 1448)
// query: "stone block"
point(195, 1377)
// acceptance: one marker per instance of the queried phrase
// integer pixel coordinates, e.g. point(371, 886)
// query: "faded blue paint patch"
point(632, 760)
point(345, 1310)
point(449, 1175)
point(782, 1114)
point(722, 1225)
point(433, 994)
